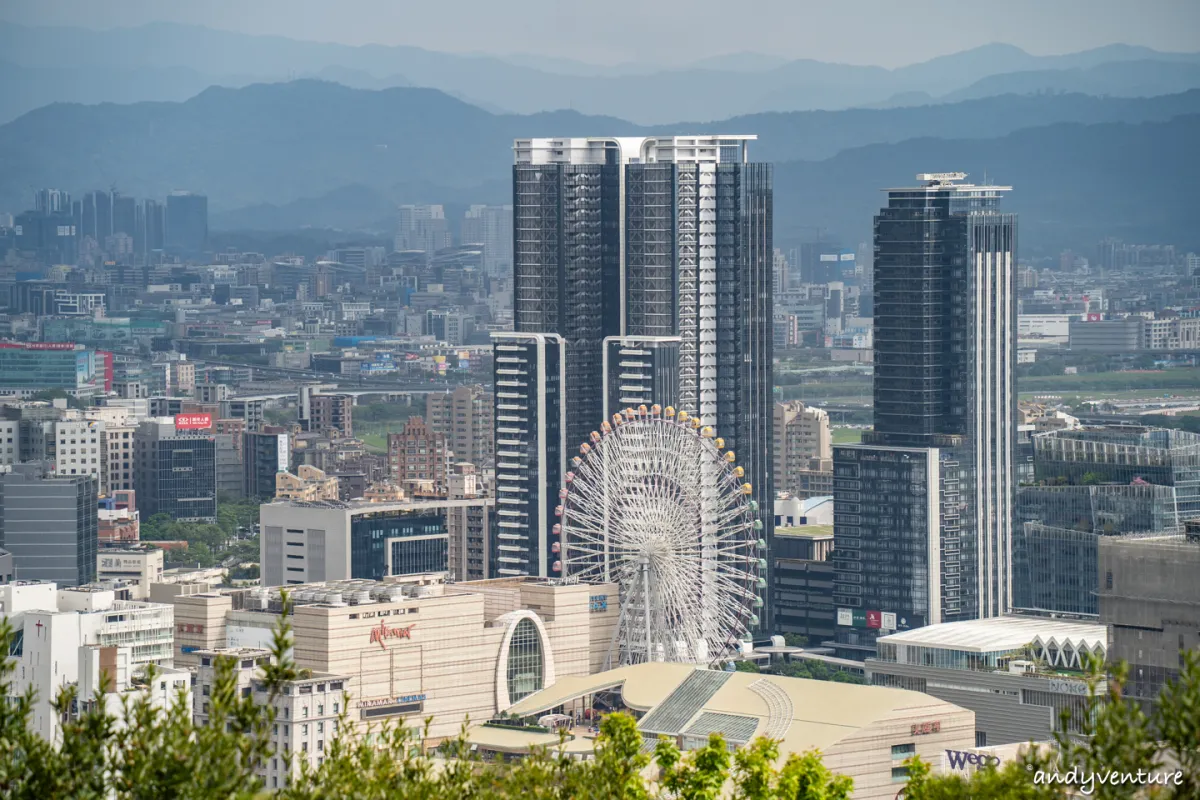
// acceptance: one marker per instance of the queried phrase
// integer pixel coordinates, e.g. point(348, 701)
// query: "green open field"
point(847, 435)
point(1124, 385)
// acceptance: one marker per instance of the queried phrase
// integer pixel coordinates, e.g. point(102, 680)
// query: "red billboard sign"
point(382, 633)
point(193, 422)
point(874, 619)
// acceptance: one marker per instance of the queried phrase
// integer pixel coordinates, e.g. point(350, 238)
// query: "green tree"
point(745, 666)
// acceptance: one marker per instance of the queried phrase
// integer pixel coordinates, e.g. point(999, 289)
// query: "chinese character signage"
point(598, 602)
point(923, 728)
point(845, 617)
point(193, 422)
point(888, 620)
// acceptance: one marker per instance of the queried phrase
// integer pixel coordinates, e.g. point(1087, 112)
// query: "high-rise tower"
point(924, 506)
point(653, 237)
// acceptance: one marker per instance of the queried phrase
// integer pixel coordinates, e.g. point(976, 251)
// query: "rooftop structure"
point(995, 641)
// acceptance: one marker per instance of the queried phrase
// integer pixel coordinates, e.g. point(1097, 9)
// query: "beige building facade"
point(416, 647)
point(803, 449)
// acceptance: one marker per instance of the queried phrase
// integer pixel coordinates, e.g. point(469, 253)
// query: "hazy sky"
point(885, 32)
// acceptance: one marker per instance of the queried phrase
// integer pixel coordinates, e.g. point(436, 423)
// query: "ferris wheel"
point(655, 503)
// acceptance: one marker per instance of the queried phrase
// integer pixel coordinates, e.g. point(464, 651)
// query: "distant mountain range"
point(173, 62)
point(311, 153)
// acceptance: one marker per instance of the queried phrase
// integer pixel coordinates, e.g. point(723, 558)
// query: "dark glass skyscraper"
point(653, 237)
point(186, 223)
point(924, 507)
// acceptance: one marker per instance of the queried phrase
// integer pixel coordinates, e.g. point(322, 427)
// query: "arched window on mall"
point(525, 661)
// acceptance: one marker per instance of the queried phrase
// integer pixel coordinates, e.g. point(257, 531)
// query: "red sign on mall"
point(383, 633)
point(926, 727)
point(874, 619)
point(193, 422)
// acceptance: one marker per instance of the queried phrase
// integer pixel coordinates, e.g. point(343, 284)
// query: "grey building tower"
point(176, 471)
point(49, 524)
point(648, 238)
point(923, 510)
point(531, 449)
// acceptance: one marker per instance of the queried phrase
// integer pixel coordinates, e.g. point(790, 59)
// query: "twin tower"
point(642, 273)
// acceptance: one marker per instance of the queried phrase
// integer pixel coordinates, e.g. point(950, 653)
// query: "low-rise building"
point(119, 520)
point(308, 485)
point(141, 567)
point(306, 709)
point(60, 626)
point(803, 582)
point(1016, 673)
point(333, 540)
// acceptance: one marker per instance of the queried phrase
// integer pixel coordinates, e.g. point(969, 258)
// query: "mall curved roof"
point(683, 699)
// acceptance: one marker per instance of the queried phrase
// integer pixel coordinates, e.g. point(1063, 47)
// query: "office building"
point(422, 227)
point(1123, 455)
point(331, 412)
point(8, 572)
point(1018, 674)
point(265, 455)
point(492, 227)
point(118, 457)
point(250, 409)
point(864, 732)
point(48, 236)
point(924, 506)
point(1058, 536)
point(79, 449)
point(176, 471)
point(469, 526)
point(1150, 599)
point(10, 441)
point(52, 201)
point(417, 455)
point(27, 368)
point(652, 237)
point(803, 445)
point(96, 216)
point(149, 228)
point(137, 567)
point(464, 417)
point(186, 218)
point(803, 590)
point(49, 524)
point(640, 371)
point(415, 648)
point(230, 466)
point(529, 376)
point(331, 540)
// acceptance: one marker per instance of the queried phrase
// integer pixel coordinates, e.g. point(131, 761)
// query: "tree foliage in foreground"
point(165, 754)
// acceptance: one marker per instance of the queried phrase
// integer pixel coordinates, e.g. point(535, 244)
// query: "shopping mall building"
point(415, 647)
